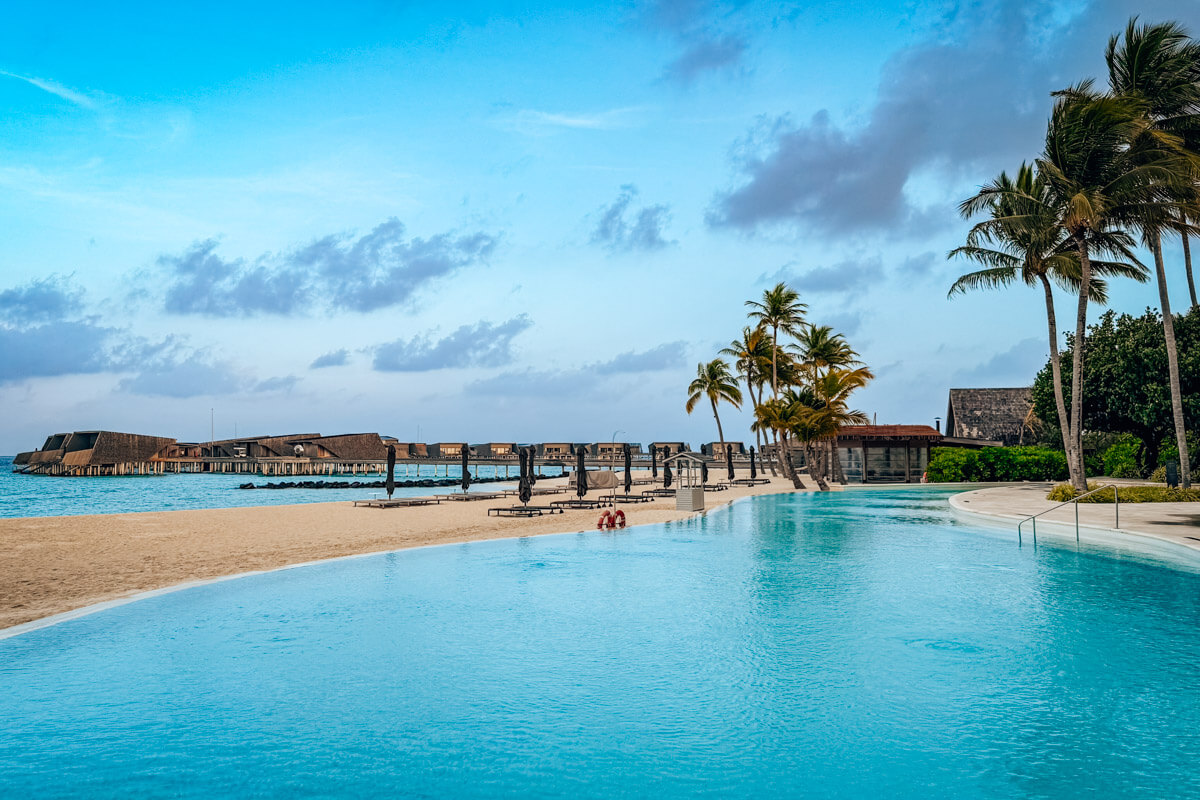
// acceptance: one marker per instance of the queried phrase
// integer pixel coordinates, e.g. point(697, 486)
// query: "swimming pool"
point(821, 645)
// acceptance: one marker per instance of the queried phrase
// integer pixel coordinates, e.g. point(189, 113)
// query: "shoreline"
point(57, 568)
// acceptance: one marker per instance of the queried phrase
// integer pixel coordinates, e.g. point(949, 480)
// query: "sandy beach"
point(49, 565)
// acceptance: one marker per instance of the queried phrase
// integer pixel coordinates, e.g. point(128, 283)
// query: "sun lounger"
point(515, 511)
point(398, 502)
point(465, 496)
point(522, 511)
point(586, 504)
point(659, 493)
point(633, 498)
point(715, 487)
point(750, 482)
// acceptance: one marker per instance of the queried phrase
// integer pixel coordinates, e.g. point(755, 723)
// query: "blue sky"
point(505, 221)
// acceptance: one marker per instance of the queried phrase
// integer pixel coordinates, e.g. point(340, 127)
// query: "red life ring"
point(618, 519)
point(605, 521)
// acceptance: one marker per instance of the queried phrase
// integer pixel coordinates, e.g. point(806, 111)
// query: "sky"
point(507, 221)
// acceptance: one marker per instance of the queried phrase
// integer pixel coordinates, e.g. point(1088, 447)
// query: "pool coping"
point(1144, 541)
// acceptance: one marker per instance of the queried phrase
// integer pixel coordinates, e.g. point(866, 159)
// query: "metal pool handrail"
point(1033, 518)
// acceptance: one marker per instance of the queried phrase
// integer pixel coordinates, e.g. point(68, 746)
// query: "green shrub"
point(952, 464)
point(1120, 461)
point(1127, 494)
point(1159, 475)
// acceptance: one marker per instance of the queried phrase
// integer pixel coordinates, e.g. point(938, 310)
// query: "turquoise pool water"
point(843, 645)
point(42, 496)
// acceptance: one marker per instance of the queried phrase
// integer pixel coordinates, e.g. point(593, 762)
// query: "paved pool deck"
point(1173, 525)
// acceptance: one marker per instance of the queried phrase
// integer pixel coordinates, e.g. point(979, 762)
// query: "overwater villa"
point(554, 450)
point(676, 447)
point(495, 450)
point(447, 449)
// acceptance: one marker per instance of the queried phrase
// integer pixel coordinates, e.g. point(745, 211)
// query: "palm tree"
point(1022, 240)
point(716, 382)
point(821, 349)
point(1101, 175)
point(1159, 66)
point(779, 310)
point(780, 417)
point(752, 358)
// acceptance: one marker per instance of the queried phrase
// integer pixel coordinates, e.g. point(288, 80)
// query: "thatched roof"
point(354, 446)
point(994, 414)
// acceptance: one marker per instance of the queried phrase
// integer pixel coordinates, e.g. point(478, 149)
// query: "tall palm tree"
point(714, 381)
point(780, 310)
point(1102, 175)
point(1023, 241)
point(1159, 65)
point(752, 359)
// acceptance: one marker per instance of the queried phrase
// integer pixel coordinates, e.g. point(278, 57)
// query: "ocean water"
point(43, 496)
point(839, 645)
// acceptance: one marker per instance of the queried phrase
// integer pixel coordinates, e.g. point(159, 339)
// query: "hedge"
point(1128, 494)
point(955, 464)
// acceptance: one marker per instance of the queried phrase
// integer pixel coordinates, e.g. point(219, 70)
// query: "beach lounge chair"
point(633, 498)
point(584, 504)
point(659, 493)
point(398, 502)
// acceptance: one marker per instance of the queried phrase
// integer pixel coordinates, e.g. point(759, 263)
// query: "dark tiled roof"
point(888, 431)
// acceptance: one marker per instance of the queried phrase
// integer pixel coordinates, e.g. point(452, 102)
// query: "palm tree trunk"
point(720, 433)
point(1185, 472)
point(814, 470)
point(1187, 266)
point(775, 362)
point(758, 434)
point(796, 482)
point(1064, 423)
point(1075, 454)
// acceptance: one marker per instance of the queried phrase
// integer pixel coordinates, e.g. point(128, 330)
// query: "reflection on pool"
point(815, 645)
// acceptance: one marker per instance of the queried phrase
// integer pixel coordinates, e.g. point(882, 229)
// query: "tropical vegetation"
point(1119, 166)
point(956, 464)
point(811, 372)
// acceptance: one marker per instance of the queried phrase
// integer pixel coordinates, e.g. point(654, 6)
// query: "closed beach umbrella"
point(524, 490)
point(703, 472)
point(628, 468)
point(729, 460)
point(654, 463)
point(753, 471)
point(466, 476)
point(390, 485)
point(666, 471)
point(532, 451)
point(581, 486)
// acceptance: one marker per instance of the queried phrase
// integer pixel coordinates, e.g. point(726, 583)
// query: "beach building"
point(95, 453)
point(717, 449)
point(885, 453)
point(676, 447)
point(988, 417)
point(554, 450)
point(418, 450)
